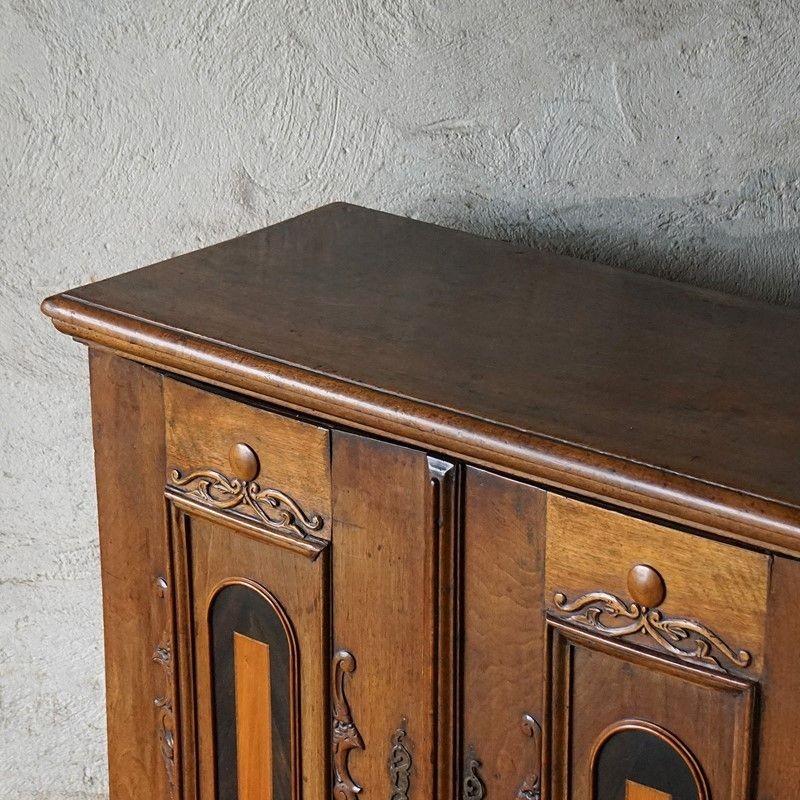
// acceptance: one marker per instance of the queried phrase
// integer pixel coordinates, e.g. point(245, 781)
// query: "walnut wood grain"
point(444, 502)
point(721, 587)
point(135, 567)
point(661, 397)
point(504, 527)
point(595, 685)
point(218, 556)
point(385, 557)
point(779, 765)
point(256, 447)
point(504, 629)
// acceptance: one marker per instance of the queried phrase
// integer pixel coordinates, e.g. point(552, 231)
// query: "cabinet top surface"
point(442, 326)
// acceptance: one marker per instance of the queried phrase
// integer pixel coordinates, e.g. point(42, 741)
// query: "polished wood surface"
point(218, 555)
point(779, 765)
point(250, 444)
point(598, 686)
point(137, 587)
point(723, 587)
point(253, 718)
point(659, 396)
point(384, 611)
point(504, 530)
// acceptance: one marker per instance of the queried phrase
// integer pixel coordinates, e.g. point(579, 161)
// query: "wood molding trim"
point(559, 464)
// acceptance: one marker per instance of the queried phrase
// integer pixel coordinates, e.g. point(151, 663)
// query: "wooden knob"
point(244, 461)
point(646, 586)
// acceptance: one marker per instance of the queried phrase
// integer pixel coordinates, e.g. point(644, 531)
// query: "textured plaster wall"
point(661, 136)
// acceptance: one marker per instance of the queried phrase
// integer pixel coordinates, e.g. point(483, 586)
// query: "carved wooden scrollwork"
point(399, 764)
point(272, 507)
point(531, 788)
point(345, 734)
point(685, 638)
point(162, 655)
point(166, 736)
point(473, 787)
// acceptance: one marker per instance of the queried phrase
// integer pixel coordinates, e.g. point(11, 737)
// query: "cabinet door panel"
point(778, 763)
point(258, 615)
point(503, 633)
point(625, 721)
point(249, 498)
point(391, 508)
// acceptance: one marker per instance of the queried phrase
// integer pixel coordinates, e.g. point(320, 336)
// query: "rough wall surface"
point(663, 137)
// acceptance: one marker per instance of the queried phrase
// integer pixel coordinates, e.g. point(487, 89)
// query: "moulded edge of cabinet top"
point(660, 397)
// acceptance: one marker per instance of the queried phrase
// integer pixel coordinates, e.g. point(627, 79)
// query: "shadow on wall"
point(744, 241)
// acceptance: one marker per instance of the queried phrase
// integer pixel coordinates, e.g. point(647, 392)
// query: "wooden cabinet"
point(390, 511)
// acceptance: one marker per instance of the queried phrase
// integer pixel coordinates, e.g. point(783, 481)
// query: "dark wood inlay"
point(639, 764)
point(240, 609)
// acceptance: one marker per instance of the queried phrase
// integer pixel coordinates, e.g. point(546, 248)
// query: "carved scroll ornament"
point(345, 734)
point(272, 507)
point(399, 764)
point(685, 638)
point(162, 655)
point(472, 787)
point(531, 788)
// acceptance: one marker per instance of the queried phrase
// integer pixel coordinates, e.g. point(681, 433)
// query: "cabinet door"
point(260, 655)
point(503, 636)
point(249, 503)
point(392, 609)
point(656, 654)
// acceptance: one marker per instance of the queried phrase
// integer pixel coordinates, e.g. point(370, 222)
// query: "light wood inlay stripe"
point(635, 791)
point(253, 718)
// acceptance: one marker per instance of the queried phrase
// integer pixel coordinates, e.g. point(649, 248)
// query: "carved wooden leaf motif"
point(346, 736)
point(162, 655)
point(685, 638)
point(274, 508)
point(400, 765)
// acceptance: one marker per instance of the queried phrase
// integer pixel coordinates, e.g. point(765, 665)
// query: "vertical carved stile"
point(162, 655)
point(473, 787)
point(345, 734)
point(399, 764)
point(531, 788)
point(443, 505)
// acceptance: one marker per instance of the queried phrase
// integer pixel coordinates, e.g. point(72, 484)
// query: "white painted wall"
point(662, 136)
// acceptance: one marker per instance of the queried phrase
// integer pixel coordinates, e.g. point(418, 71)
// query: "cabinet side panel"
point(128, 429)
point(779, 764)
point(384, 568)
point(504, 636)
